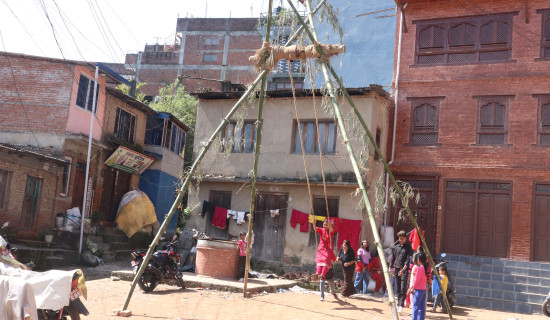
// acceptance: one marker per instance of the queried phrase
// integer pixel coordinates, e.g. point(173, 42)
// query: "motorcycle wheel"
point(546, 307)
point(180, 282)
point(147, 282)
point(71, 313)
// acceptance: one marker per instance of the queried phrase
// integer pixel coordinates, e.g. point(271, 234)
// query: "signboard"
point(129, 160)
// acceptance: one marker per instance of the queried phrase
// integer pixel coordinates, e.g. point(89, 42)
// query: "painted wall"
point(79, 119)
point(171, 163)
point(160, 187)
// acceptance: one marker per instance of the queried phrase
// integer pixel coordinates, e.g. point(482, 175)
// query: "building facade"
point(472, 118)
point(281, 183)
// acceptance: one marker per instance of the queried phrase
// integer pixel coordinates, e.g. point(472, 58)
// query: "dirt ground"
point(166, 302)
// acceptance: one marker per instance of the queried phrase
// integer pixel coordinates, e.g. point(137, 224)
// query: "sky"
point(109, 30)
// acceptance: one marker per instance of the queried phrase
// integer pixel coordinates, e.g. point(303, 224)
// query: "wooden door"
point(115, 184)
point(492, 225)
point(269, 232)
point(220, 199)
point(424, 211)
point(541, 223)
point(459, 223)
point(30, 203)
point(78, 189)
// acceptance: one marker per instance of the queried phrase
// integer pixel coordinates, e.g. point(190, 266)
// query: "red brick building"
point(207, 52)
point(473, 124)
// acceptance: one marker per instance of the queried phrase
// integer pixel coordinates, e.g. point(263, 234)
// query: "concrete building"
point(281, 184)
point(472, 117)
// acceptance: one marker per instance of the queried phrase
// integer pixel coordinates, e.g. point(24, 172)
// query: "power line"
point(51, 25)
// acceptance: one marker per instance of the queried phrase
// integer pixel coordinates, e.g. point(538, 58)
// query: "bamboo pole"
point(386, 167)
point(257, 145)
point(313, 36)
point(194, 167)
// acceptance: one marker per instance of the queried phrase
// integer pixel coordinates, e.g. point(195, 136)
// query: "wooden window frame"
point(4, 194)
point(544, 36)
point(484, 101)
point(86, 92)
point(478, 51)
point(296, 149)
point(129, 136)
point(417, 103)
point(241, 147)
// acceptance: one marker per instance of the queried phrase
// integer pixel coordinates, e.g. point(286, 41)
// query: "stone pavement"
point(254, 285)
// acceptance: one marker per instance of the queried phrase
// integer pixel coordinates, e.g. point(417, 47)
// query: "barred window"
point(424, 121)
point(545, 34)
point(464, 40)
point(492, 122)
point(544, 121)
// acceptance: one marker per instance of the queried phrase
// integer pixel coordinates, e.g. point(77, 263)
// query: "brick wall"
point(457, 155)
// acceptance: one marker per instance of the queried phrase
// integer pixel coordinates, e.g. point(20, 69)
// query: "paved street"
point(168, 302)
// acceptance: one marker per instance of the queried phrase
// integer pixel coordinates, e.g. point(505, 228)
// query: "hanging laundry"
point(415, 239)
point(349, 230)
point(314, 217)
point(231, 213)
point(220, 218)
point(240, 217)
point(207, 207)
point(274, 213)
point(298, 217)
point(335, 223)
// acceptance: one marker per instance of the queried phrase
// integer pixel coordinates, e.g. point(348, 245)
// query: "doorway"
point(269, 231)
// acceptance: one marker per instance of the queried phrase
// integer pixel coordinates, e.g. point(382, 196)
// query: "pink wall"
point(79, 119)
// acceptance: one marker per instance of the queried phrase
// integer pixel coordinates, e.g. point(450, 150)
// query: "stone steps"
point(499, 284)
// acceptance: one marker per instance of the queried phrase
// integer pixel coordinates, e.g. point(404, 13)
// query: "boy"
point(435, 288)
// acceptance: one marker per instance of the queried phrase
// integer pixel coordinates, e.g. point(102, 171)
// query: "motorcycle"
point(40, 283)
point(546, 306)
point(163, 265)
point(451, 295)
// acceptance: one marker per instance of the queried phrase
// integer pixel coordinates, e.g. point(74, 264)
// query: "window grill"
point(495, 186)
point(460, 185)
point(420, 184)
point(544, 124)
point(492, 124)
point(424, 124)
point(542, 188)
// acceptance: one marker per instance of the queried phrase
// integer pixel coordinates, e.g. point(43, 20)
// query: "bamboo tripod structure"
point(326, 67)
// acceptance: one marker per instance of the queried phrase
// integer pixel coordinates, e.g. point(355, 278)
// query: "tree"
point(175, 100)
point(140, 96)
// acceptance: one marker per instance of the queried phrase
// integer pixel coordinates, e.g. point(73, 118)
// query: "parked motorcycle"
point(451, 296)
point(163, 265)
point(43, 283)
point(546, 306)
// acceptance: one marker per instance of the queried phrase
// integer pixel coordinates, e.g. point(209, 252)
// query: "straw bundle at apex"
point(291, 53)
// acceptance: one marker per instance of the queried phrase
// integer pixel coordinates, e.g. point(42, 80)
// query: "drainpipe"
point(396, 92)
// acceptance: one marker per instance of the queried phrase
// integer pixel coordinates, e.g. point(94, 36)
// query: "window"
point(125, 125)
point(544, 121)
point(239, 139)
point(3, 189)
point(66, 176)
point(492, 121)
point(378, 140)
point(212, 41)
point(545, 34)
point(154, 130)
point(175, 138)
point(319, 207)
point(464, 40)
point(424, 121)
point(84, 97)
point(327, 134)
point(287, 85)
point(210, 57)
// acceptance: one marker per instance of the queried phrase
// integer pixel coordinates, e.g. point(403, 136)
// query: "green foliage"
point(296, 259)
point(175, 100)
point(408, 195)
point(183, 216)
point(140, 96)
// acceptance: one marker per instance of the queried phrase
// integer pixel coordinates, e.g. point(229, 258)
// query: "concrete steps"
point(499, 284)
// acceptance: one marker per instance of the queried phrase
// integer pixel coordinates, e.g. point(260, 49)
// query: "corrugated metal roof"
point(40, 153)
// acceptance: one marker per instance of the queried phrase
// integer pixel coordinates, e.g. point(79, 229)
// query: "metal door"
point(30, 203)
point(269, 232)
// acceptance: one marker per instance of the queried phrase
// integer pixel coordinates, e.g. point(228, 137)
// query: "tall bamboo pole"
point(386, 166)
point(194, 167)
point(257, 145)
point(313, 35)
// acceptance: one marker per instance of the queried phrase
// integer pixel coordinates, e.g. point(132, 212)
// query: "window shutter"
point(82, 91)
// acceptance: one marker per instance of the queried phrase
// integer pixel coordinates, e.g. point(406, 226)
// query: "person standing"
point(362, 276)
point(325, 253)
point(401, 253)
point(347, 257)
point(436, 292)
point(242, 255)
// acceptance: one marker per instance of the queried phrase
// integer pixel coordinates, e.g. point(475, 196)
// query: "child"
point(242, 256)
point(435, 288)
point(418, 287)
point(375, 266)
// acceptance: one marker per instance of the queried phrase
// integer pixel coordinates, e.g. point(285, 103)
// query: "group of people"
point(410, 269)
